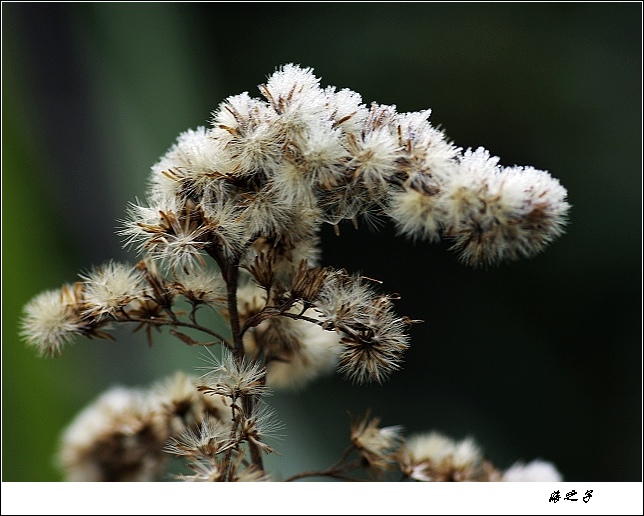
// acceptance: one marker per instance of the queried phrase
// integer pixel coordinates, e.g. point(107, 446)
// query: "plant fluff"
point(231, 222)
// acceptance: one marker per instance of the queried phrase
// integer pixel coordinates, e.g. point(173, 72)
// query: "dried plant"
point(232, 222)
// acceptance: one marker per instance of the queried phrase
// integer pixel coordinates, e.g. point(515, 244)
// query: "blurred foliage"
point(541, 358)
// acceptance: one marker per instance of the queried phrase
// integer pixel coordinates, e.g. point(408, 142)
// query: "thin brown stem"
point(332, 474)
point(338, 470)
point(165, 322)
point(300, 317)
point(276, 311)
point(256, 319)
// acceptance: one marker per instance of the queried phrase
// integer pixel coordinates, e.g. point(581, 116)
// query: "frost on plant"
point(231, 222)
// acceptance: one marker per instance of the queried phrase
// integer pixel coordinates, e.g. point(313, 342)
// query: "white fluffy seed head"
point(346, 109)
point(171, 231)
point(374, 156)
point(295, 94)
point(497, 214)
point(118, 437)
point(51, 320)
point(319, 155)
point(229, 378)
point(466, 453)
point(223, 222)
point(535, 471)
point(185, 406)
point(377, 446)
point(248, 135)
point(110, 287)
point(417, 214)
point(201, 286)
point(433, 446)
point(435, 457)
point(466, 191)
point(210, 438)
point(189, 167)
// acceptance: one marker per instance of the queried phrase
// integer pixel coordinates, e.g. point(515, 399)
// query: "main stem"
point(230, 272)
point(232, 279)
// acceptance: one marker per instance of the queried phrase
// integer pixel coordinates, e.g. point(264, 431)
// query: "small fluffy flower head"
point(248, 134)
point(201, 286)
point(185, 406)
point(252, 474)
point(111, 287)
point(205, 470)
point(189, 167)
point(231, 379)
point(212, 437)
point(501, 214)
point(262, 424)
point(373, 337)
point(52, 319)
point(435, 457)
point(295, 93)
point(171, 231)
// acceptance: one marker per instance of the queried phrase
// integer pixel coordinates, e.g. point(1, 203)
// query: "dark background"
point(538, 358)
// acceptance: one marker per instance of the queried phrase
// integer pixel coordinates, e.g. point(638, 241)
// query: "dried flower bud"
point(308, 281)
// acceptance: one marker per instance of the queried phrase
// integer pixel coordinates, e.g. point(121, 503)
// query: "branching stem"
point(338, 470)
point(166, 322)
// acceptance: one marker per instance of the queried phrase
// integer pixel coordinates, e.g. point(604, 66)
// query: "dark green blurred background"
point(540, 358)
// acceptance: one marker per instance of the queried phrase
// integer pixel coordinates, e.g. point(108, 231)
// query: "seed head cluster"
point(231, 224)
